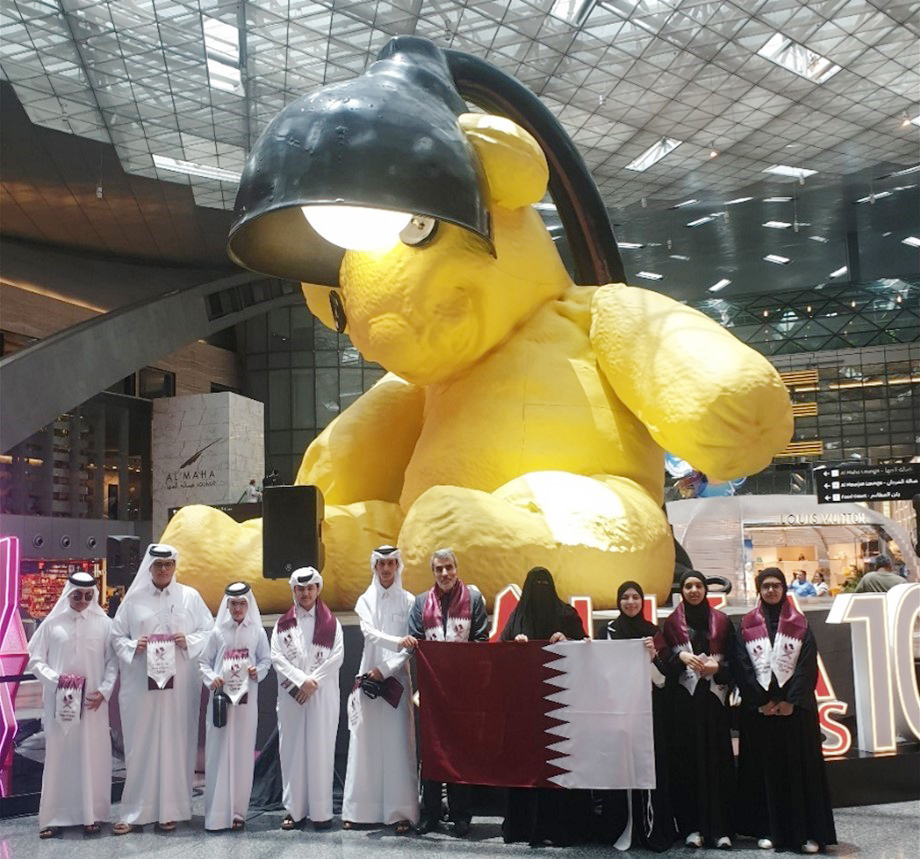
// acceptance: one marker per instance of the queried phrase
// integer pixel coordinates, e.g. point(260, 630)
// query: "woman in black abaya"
point(784, 799)
point(696, 646)
point(641, 818)
point(538, 815)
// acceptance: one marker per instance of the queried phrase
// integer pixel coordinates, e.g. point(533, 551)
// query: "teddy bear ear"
point(514, 163)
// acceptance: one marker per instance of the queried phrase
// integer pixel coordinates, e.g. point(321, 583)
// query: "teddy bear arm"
point(702, 393)
point(362, 455)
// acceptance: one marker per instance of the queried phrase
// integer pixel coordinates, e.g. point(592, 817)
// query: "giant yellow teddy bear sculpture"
point(523, 420)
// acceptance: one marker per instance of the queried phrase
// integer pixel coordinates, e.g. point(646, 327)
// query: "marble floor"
point(870, 832)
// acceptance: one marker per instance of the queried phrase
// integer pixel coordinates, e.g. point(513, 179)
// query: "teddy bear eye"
point(419, 230)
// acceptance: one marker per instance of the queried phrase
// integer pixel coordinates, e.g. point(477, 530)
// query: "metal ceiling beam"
point(60, 372)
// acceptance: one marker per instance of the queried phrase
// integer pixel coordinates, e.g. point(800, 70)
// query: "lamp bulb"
point(357, 228)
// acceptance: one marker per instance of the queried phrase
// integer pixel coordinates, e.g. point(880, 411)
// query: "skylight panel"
point(222, 53)
point(221, 40)
point(654, 154)
point(629, 246)
point(738, 200)
point(838, 272)
point(574, 11)
point(685, 203)
point(798, 59)
point(649, 275)
point(191, 168)
point(913, 241)
point(719, 284)
point(700, 221)
point(777, 199)
point(776, 258)
point(777, 225)
point(785, 170)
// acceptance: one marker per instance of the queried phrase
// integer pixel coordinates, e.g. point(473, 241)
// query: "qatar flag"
point(574, 715)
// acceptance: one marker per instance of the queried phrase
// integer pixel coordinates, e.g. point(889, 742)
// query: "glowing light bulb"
point(356, 227)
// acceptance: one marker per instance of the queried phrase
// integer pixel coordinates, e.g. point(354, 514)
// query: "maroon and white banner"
point(573, 715)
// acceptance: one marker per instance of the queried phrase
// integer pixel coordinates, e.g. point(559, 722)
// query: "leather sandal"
point(168, 826)
point(238, 825)
point(50, 832)
point(91, 829)
point(122, 828)
point(288, 823)
point(403, 827)
point(347, 824)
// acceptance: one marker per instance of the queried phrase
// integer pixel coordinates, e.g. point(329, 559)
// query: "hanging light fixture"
point(353, 164)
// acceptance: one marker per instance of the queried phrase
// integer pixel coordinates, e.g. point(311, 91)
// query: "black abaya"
point(537, 815)
point(782, 783)
point(701, 761)
point(652, 816)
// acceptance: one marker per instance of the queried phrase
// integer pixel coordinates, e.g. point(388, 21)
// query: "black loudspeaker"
point(292, 521)
point(122, 558)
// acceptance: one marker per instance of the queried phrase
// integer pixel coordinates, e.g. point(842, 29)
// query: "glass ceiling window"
point(574, 11)
point(191, 168)
point(798, 59)
point(654, 154)
point(222, 50)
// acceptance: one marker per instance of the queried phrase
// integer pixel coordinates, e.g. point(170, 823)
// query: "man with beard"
point(450, 611)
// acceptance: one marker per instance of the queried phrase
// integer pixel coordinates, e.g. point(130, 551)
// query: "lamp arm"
point(578, 201)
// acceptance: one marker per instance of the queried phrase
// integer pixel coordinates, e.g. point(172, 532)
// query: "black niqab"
point(540, 613)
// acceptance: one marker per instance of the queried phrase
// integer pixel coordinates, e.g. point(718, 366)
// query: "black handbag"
point(219, 709)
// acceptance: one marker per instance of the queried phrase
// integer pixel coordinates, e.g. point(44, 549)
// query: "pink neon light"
point(13, 653)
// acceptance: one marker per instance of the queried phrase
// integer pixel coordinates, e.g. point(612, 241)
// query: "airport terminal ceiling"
point(125, 96)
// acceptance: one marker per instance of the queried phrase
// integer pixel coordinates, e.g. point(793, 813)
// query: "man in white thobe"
point(71, 654)
point(381, 784)
point(235, 659)
point(160, 724)
point(307, 651)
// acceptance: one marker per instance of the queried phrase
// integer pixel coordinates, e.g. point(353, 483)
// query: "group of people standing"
point(779, 792)
point(165, 644)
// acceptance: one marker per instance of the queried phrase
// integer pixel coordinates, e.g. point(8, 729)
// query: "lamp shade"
point(388, 139)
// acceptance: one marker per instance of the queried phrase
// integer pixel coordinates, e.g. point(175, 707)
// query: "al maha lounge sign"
point(192, 475)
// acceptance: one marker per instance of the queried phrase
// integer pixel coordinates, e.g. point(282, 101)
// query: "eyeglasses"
point(81, 596)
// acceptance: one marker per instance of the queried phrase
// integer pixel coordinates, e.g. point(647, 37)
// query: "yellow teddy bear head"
point(428, 311)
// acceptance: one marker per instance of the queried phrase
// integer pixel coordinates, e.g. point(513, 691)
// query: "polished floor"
point(870, 832)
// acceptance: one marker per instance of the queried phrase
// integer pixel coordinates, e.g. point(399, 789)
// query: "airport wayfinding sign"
point(862, 482)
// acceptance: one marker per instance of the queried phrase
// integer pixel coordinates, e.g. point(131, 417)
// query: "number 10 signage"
point(887, 697)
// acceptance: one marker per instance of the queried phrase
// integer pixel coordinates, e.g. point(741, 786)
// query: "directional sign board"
point(863, 482)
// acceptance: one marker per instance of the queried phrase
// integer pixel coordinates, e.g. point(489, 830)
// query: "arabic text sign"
point(863, 482)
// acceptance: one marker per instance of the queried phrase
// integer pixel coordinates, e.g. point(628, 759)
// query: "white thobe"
point(306, 732)
point(160, 726)
point(230, 751)
point(381, 784)
point(77, 780)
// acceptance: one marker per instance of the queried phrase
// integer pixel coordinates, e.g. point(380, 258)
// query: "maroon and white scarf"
point(675, 636)
point(459, 611)
point(295, 648)
point(780, 656)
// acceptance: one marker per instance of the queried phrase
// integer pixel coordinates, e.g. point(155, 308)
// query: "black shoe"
point(462, 828)
point(320, 825)
point(426, 825)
